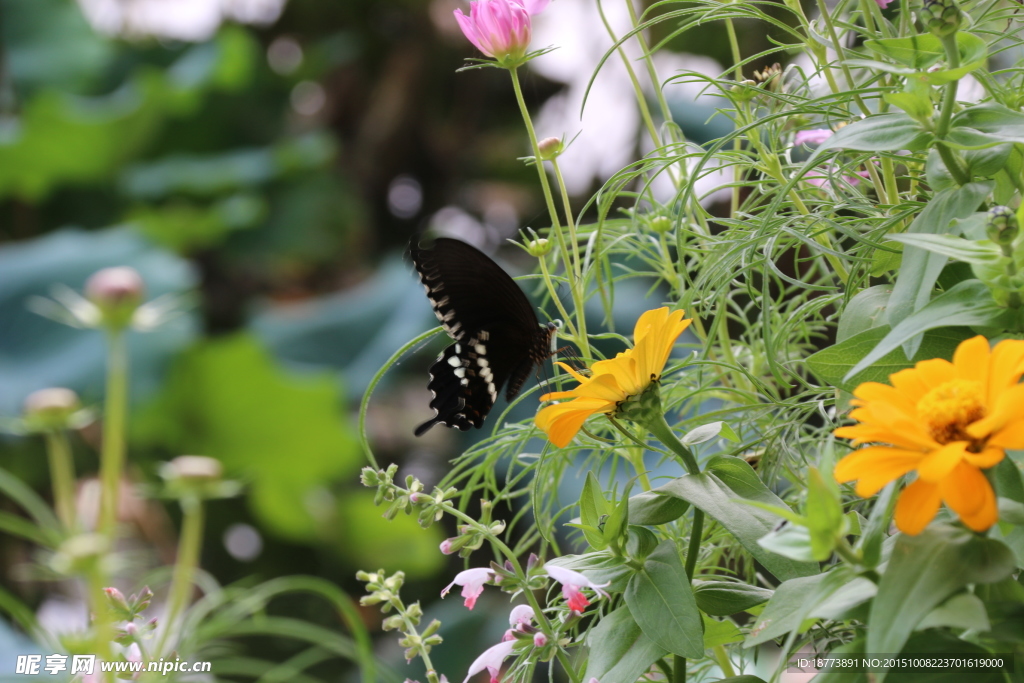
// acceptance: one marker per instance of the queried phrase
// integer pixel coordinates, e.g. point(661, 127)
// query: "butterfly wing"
point(494, 326)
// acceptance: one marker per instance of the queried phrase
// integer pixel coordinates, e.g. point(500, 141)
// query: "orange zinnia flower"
point(946, 421)
point(615, 380)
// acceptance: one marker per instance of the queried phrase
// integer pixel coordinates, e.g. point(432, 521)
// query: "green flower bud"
point(941, 17)
point(550, 148)
point(1002, 226)
point(661, 224)
point(50, 410)
point(539, 247)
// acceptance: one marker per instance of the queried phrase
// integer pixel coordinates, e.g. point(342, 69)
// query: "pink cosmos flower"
point(472, 582)
point(499, 28)
point(572, 582)
point(491, 660)
point(814, 136)
point(883, 3)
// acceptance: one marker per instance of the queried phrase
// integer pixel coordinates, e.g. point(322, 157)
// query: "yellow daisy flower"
point(946, 421)
point(615, 380)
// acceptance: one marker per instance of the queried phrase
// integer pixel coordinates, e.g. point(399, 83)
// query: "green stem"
point(578, 285)
point(844, 551)
point(556, 227)
point(657, 426)
point(103, 629)
point(114, 420)
point(62, 473)
point(823, 8)
point(678, 669)
point(949, 156)
point(549, 282)
point(737, 145)
point(722, 657)
point(189, 546)
point(696, 532)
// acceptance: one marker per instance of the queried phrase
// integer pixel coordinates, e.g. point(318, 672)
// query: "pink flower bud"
point(446, 546)
point(539, 639)
point(115, 286)
point(499, 28)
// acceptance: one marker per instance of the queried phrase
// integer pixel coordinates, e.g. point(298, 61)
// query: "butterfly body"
point(497, 339)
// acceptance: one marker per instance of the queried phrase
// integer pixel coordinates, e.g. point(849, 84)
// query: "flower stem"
point(949, 157)
point(723, 661)
point(185, 565)
point(62, 472)
point(678, 669)
point(696, 532)
point(556, 226)
point(115, 410)
point(657, 426)
point(102, 628)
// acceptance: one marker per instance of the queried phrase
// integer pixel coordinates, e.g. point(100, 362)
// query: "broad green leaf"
point(723, 598)
point(620, 652)
point(920, 269)
point(228, 398)
point(993, 120)
point(824, 514)
point(640, 542)
point(865, 310)
point(973, 55)
point(720, 632)
point(833, 365)
point(923, 571)
point(793, 602)
point(882, 133)
point(1008, 480)
point(968, 304)
point(918, 106)
point(593, 509)
point(958, 248)
point(714, 491)
point(918, 51)
point(651, 508)
point(661, 601)
point(962, 611)
point(839, 604)
point(792, 541)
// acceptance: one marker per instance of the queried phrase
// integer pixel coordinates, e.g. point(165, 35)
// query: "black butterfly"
point(496, 332)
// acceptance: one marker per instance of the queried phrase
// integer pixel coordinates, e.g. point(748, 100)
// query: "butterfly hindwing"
point(496, 333)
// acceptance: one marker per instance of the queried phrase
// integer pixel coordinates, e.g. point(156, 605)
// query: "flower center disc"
point(950, 407)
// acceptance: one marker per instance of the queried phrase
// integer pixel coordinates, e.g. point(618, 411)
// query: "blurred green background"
point(268, 162)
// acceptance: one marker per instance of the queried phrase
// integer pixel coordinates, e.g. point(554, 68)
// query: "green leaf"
point(651, 508)
point(922, 572)
point(714, 491)
point(962, 611)
point(968, 304)
point(840, 604)
point(723, 598)
point(917, 106)
point(701, 434)
point(620, 652)
point(882, 133)
point(918, 51)
point(920, 269)
point(1008, 480)
point(661, 601)
point(720, 632)
point(599, 567)
point(865, 311)
point(792, 541)
point(968, 251)
point(834, 364)
point(227, 397)
point(793, 602)
point(617, 521)
point(994, 120)
point(876, 530)
point(824, 514)
point(593, 510)
point(973, 55)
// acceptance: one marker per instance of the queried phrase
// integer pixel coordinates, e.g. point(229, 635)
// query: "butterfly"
point(497, 337)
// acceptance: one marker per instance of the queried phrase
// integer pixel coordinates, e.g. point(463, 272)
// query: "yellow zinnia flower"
point(948, 421)
point(615, 380)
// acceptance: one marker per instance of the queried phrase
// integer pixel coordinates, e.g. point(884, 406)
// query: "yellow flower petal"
point(1007, 364)
point(971, 360)
point(939, 463)
point(1005, 409)
point(935, 372)
point(990, 457)
point(917, 506)
point(1010, 436)
point(562, 421)
point(970, 495)
point(875, 467)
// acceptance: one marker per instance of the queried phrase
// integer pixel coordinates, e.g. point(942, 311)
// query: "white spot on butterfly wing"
point(480, 349)
point(454, 361)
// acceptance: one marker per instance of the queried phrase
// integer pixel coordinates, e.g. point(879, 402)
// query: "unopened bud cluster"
point(384, 590)
point(941, 17)
point(52, 410)
point(429, 506)
point(129, 610)
point(1003, 274)
point(506, 579)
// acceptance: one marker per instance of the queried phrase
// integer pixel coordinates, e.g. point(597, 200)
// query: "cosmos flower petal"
point(917, 506)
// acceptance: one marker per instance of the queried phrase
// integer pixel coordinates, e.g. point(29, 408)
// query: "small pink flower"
point(521, 615)
point(814, 136)
point(826, 177)
point(499, 28)
point(883, 3)
point(572, 582)
point(491, 659)
point(472, 582)
point(446, 546)
point(539, 639)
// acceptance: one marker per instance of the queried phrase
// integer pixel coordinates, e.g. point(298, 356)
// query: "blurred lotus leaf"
point(184, 226)
point(60, 138)
point(368, 540)
point(36, 352)
point(284, 433)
